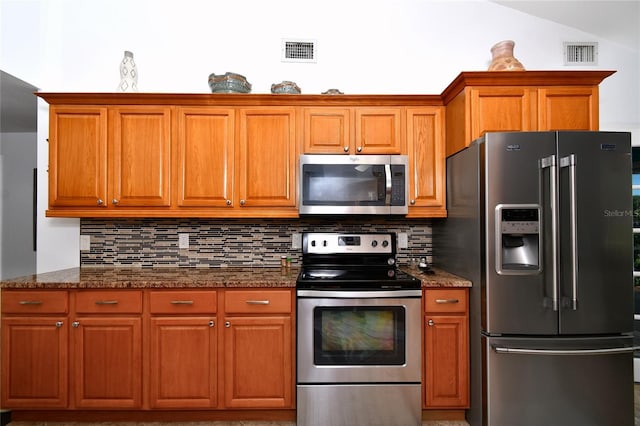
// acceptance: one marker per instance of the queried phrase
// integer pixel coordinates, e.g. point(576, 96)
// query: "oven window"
point(358, 335)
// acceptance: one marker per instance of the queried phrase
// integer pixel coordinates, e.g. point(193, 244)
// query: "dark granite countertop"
point(105, 278)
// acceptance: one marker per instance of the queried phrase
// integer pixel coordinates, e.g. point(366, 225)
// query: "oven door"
point(359, 336)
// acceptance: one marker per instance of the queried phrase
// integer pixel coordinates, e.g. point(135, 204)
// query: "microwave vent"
point(299, 50)
point(581, 53)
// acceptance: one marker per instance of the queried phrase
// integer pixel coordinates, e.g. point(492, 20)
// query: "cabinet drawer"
point(108, 301)
point(34, 302)
point(257, 301)
point(446, 300)
point(183, 302)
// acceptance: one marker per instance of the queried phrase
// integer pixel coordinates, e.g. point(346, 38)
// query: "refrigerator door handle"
point(550, 162)
point(520, 351)
point(570, 162)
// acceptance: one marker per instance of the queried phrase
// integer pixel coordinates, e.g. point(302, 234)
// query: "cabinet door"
point(568, 108)
point(258, 362)
point(107, 362)
point(446, 361)
point(77, 156)
point(205, 157)
point(379, 131)
point(496, 109)
point(268, 154)
point(327, 131)
point(34, 362)
point(183, 362)
point(140, 156)
point(426, 150)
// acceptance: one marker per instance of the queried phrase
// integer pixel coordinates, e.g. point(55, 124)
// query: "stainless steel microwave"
point(354, 184)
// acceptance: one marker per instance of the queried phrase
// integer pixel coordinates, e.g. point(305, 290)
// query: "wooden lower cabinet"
point(106, 349)
point(446, 349)
point(35, 356)
point(258, 349)
point(140, 350)
point(182, 350)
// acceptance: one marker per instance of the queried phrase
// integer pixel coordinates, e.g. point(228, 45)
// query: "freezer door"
point(556, 381)
point(596, 245)
point(518, 174)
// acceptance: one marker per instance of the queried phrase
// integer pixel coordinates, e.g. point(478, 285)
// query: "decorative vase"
point(128, 74)
point(502, 57)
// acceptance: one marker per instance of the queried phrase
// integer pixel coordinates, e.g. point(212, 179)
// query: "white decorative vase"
point(128, 74)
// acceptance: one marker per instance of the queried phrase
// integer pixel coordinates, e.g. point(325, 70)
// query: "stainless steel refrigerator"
point(541, 223)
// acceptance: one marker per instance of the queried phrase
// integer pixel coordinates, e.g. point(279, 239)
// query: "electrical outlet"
point(183, 241)
point(403, 240)
point(85, 242)
point(296, 241)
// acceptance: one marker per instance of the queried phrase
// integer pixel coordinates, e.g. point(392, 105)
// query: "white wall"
point(364, 46)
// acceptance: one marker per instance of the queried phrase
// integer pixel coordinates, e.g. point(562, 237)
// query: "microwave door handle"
point(387, 176)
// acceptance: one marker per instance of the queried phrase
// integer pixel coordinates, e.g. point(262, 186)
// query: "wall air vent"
point(580, 53)
point(299, 50)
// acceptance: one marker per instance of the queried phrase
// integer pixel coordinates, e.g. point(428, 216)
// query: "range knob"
point(374, 243)
point(385, 243)
point(391, 261)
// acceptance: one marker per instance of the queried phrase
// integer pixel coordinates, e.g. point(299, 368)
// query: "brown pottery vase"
point(502, 57)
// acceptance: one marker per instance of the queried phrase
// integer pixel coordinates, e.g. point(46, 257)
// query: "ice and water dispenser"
point(518, 239)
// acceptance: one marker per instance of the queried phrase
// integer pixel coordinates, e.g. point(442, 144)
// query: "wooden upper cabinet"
point(480, 102)
point(426, 152)
point(77, 156)
point(327, 131)
point(267, 157)
point(378, 131)
point(568, 108)
point(205, 163)
point(141, 156)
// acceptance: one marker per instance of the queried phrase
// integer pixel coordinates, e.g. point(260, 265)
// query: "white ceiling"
point(618, 21)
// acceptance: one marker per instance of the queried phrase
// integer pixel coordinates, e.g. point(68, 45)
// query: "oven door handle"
point(347, 294)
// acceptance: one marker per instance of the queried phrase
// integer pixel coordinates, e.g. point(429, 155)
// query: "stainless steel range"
point(359, 333)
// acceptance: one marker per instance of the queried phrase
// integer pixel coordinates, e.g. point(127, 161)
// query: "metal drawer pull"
point(106, 302)
point(447, 301)
point(59, 324)
point(182, 302)
point(257, 302)
point(31, 302)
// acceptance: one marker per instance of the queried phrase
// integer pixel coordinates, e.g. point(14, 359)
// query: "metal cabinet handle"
point(442, 301)
point(182, 302)
point(430, 323)
point(212, 323)
point(359, 149)
point(346, 149)
point(30, 302)
point(106, 302)
point(257, 302)
point(59, 324)
point(413, 202)
point(228, 202)
point(242, 202)
point(114, 201)
point(227, 324)
point(100, 201)
point(75, 324)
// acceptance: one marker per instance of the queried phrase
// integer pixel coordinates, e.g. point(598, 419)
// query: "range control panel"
point(330, 243)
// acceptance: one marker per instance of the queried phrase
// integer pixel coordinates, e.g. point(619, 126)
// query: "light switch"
point(183, 241)
point(296, 241)
point(85, 242)
point(403, 240)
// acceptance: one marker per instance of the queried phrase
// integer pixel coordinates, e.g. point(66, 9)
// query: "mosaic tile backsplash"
point(217, 243)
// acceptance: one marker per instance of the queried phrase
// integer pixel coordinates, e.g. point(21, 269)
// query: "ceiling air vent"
point(299, 50)
point(580, 53)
